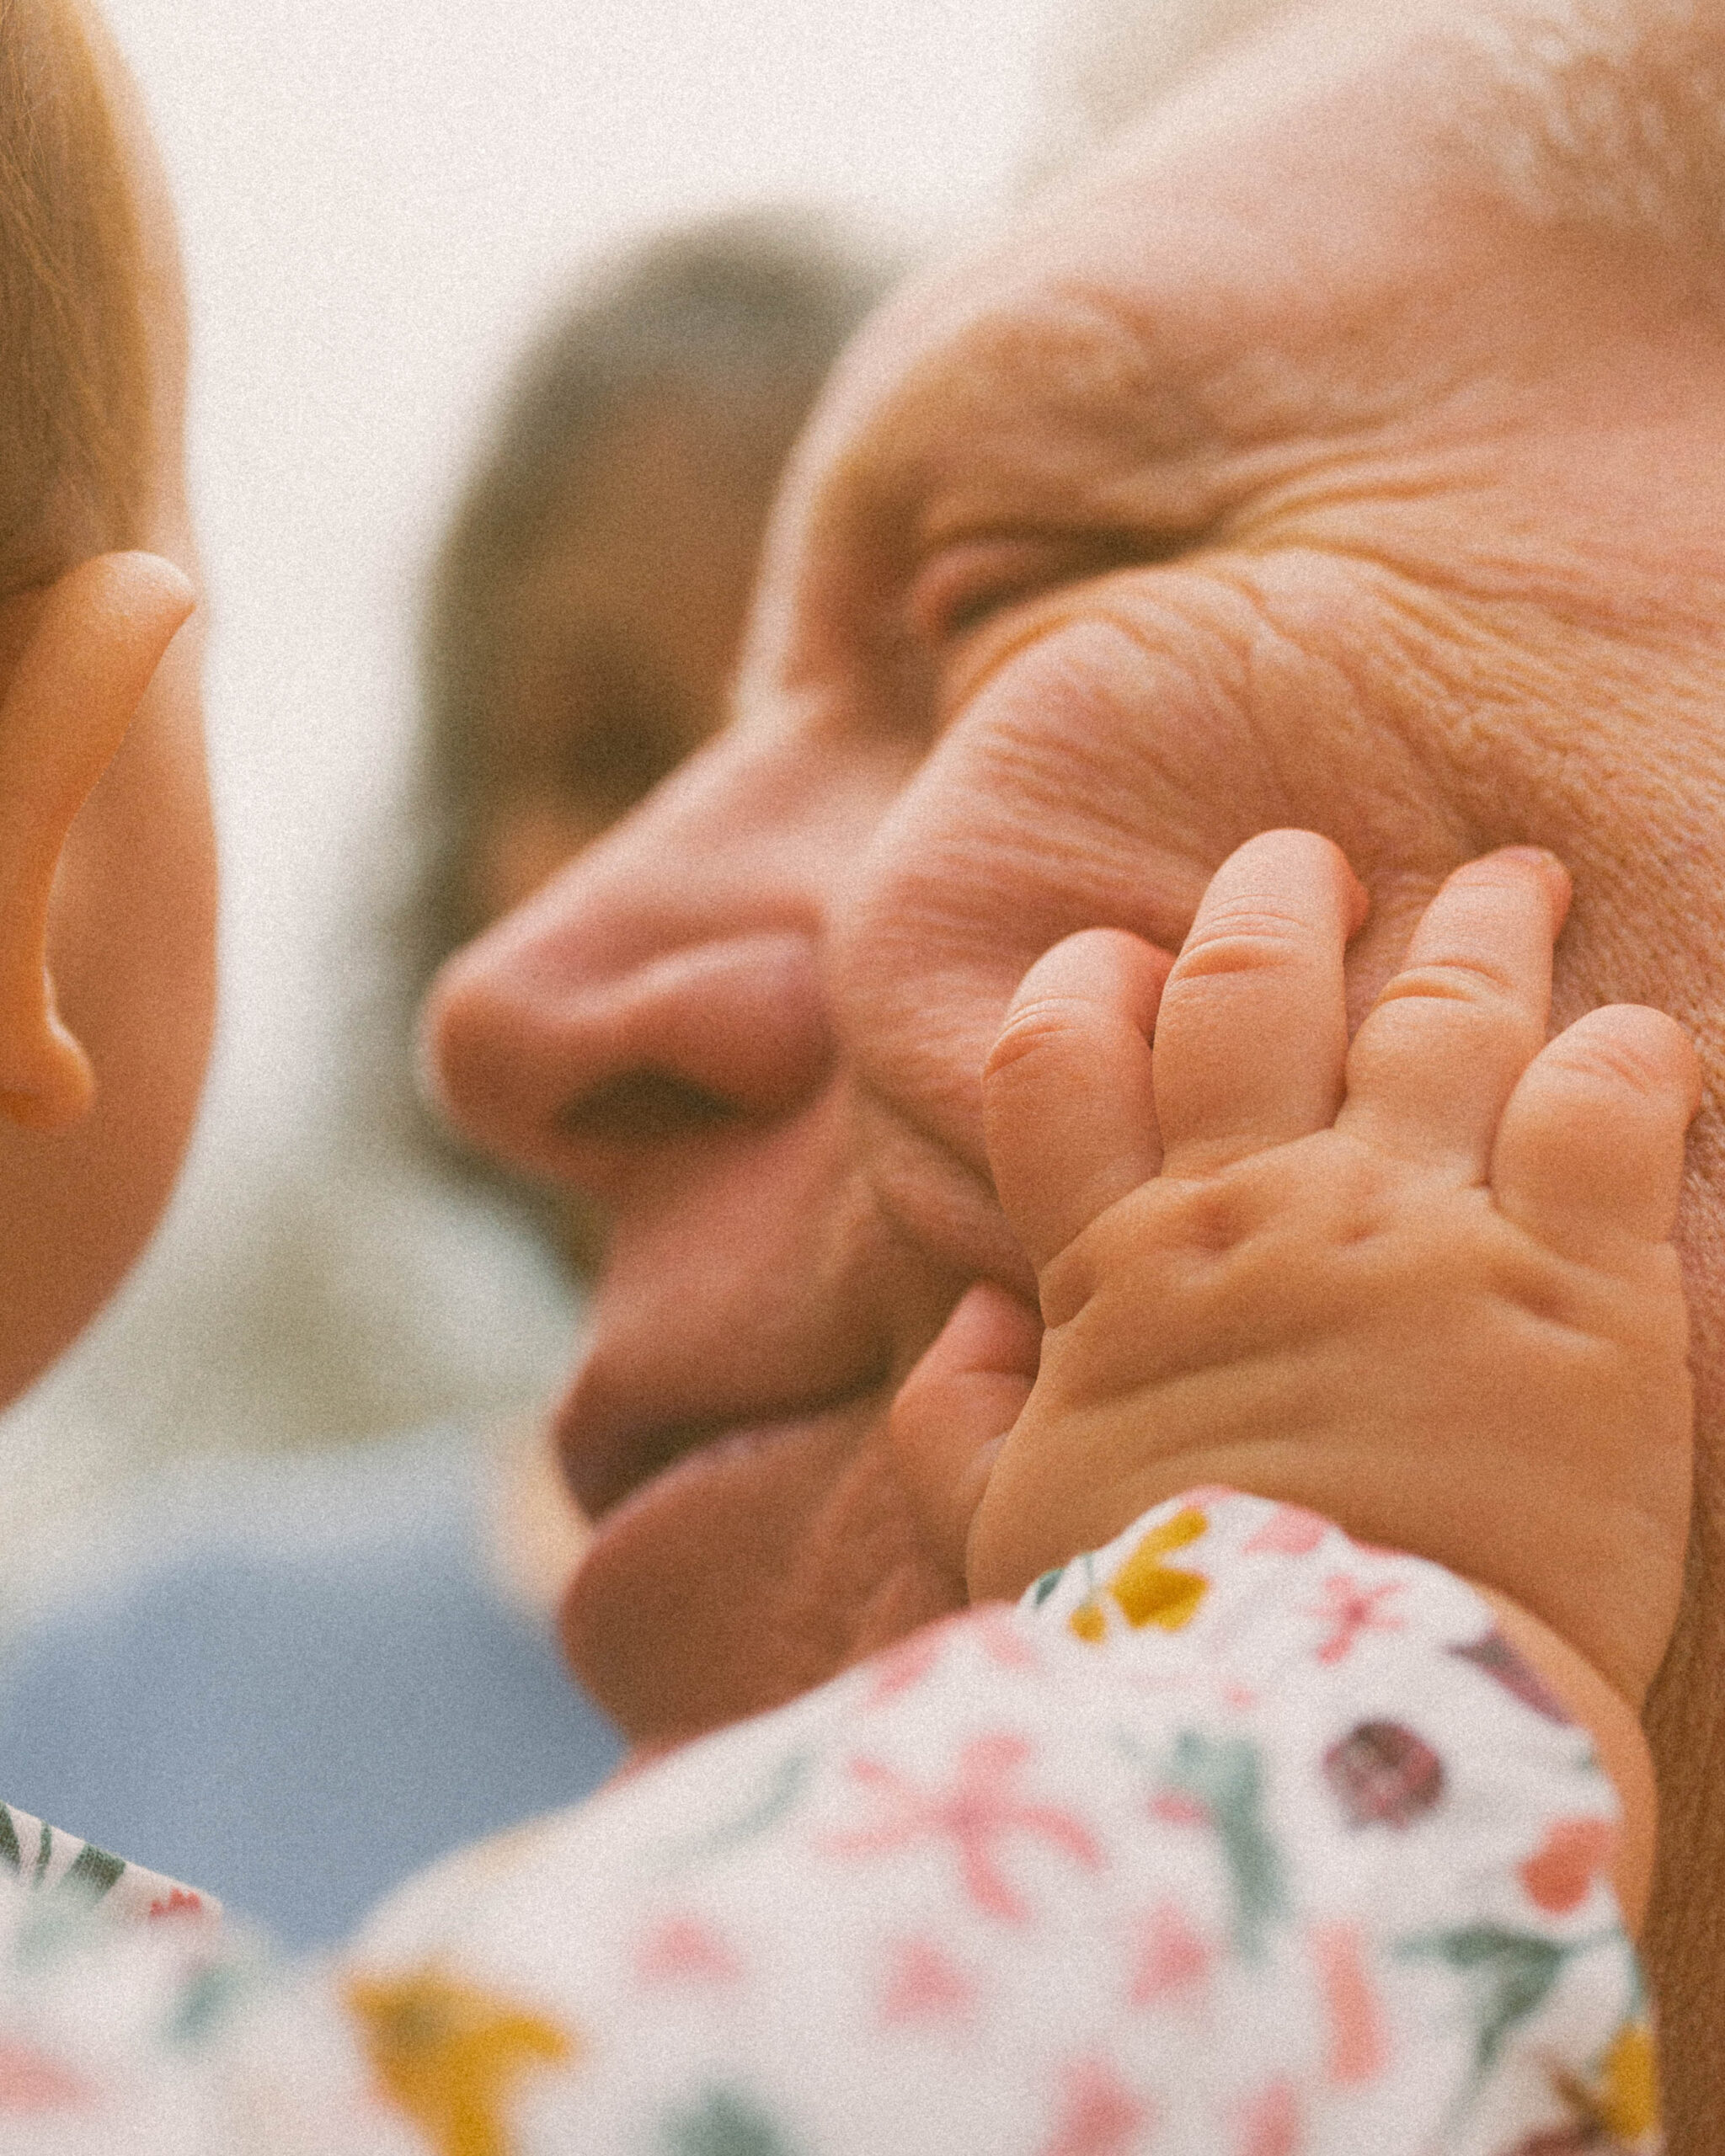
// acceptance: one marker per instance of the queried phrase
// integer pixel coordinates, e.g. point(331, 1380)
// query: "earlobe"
point(94, 644)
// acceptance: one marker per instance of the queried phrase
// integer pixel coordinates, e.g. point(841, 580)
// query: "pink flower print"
point(1290, 1531)
point(995, 1629)
point(684, 1949)
point(1174, 1961)
point(1352, 1609)
point(975, 1813)
point(1100, 2115)
point(902, 1668)
point(181, 1902)
point(31, 2082)
point(1359, 2046)
point(1559, 1874)
point(924, 1984)
point(1271, 2124)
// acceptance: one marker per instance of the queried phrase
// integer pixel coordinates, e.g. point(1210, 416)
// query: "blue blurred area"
point(310, 1695)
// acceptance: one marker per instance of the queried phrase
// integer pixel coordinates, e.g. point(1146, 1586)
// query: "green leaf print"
point(1224, 1776)
point(91, 1873)
point(1509, 1975)
point(779, 1796)
point(207, 2002)
point(11, 1855)
point(725, 2124)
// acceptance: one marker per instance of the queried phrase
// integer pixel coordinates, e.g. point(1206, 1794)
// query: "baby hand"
point(1422, 1284)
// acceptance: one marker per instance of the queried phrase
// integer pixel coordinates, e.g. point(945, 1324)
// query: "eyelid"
point(962, 583)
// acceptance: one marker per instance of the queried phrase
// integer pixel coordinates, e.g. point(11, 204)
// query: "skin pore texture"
point(101, 746)
point(1278, 472)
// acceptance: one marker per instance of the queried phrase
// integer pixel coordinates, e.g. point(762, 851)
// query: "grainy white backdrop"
point(377, 197)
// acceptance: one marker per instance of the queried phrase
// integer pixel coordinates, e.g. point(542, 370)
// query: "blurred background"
point(503, 321)
point(378, 203)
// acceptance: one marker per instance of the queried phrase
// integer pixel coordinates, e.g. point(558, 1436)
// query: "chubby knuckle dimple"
point(1635, 1059)
point(1032, 1028)
point(1243, 938)
point(1596, 1312)
point(1323, 1189)
point(1474, 983)
point(1208, 1216)
point(1170, 1248)
point(1538, 1284)
point(1407, 1235)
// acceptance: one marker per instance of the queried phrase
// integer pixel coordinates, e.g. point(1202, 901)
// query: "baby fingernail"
point(1556, 875)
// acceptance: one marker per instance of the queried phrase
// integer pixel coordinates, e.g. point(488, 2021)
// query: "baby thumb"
point(952, 1413)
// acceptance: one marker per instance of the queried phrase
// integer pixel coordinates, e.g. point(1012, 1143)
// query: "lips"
point(753, 1566)
point(603, 1467)
point(608, 1453)
point(726, 1433)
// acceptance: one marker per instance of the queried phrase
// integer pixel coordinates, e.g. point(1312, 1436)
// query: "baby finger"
point(1590, 1148)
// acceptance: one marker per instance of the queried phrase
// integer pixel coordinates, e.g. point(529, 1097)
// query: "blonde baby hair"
point(74, 392)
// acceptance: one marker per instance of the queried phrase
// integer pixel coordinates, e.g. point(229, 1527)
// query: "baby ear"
point(97, 637)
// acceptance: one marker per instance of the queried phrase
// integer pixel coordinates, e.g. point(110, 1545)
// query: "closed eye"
point(965, 584)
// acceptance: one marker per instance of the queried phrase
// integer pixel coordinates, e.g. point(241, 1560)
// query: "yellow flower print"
point(1619, 2106)
point(1625, 2099)
point(448, 2055)
point(1147, 1591)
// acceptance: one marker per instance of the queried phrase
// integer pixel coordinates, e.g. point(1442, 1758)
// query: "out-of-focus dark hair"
point(740, 316)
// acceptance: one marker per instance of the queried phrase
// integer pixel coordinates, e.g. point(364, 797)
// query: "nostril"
point(553, 1062)
point(644, 1107)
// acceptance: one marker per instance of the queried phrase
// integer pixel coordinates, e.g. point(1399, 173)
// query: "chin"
point(751, 1569)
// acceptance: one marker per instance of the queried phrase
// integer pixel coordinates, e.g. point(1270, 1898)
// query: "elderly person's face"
point(1279, 474)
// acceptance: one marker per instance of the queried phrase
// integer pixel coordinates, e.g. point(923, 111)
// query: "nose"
point(588, 1032)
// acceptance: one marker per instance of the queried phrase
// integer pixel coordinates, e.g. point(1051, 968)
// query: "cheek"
point(1079, 788)
point(1099, 779)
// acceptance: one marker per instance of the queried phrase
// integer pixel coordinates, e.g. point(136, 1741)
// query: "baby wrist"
point(1600, 1709)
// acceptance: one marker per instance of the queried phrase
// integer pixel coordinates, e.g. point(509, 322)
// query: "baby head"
point(106, 857)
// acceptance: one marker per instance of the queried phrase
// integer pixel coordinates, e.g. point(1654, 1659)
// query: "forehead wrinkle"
point(1020, 419)
point(1597, 112)
point(1603, 111)
point(1110, 391)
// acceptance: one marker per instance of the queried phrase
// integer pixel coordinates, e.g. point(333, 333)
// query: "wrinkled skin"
point(1275, 475)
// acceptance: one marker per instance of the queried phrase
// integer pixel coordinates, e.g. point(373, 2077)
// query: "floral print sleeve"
point(38, 1860)
point(1234, 1839)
